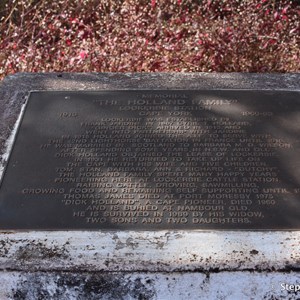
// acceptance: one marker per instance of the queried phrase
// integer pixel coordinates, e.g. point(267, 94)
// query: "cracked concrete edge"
point(150, 286)
point(138, 251)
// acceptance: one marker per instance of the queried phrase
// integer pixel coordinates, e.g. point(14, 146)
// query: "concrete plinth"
point(169, 264)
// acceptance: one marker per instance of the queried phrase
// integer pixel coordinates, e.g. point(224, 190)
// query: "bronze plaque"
point(150, 160)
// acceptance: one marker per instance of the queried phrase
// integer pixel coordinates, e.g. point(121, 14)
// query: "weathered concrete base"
point(166, 286)
point(158, 251)
point(142, 265)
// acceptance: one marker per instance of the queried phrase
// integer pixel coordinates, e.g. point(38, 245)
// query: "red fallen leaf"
point(285, 9)
point(72, 60)
point(272, 41)
point(269, 42)
point(153, 3)
point(183, 19)
point(68, 42)
point(74, 20)
point(265, 45)
point(156, 65)
point(83, 54)
point(179, 2)
point(293, 30)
